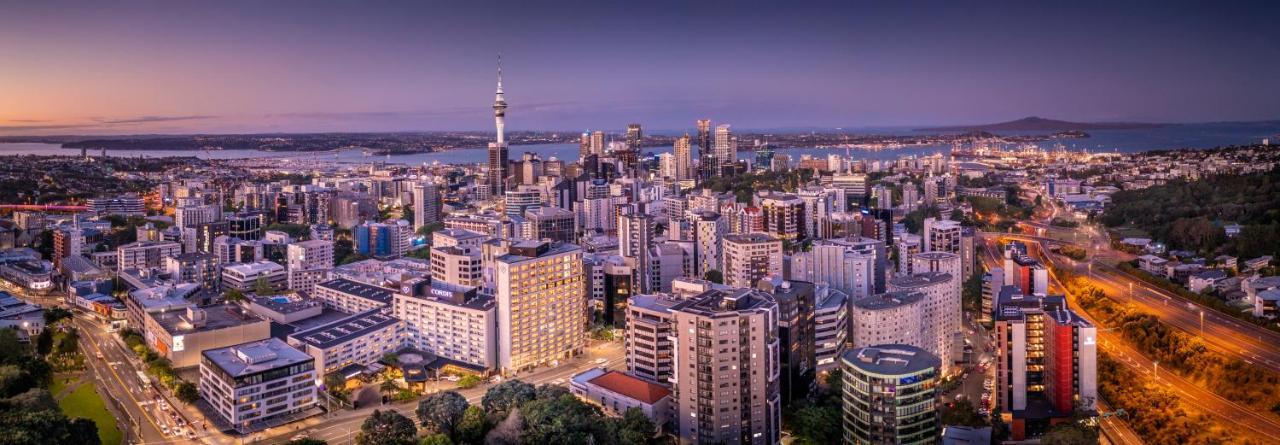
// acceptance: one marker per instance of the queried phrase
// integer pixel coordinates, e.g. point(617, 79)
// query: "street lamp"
point(1202, 322)
point(1156, 369)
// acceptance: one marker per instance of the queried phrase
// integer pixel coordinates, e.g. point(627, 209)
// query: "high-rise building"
point(451, 321)
point(707, 156)
point(525, 198)
point(389, 239)
point(749, 257)
point(783, 215)
point(550, 223)
point(708, 232)
point(1046, 366)
point(542, 309)
point(942, 235)
point(727, 368)
point(498, 156)
point(726, 148)
point(426, 204)
point(854, 265)
point(597, 143)
point(891, 318)
point(940, 322)
point(308, 263)
point(259, 381)
point(584, 145)
point(890, 395)
point(830, 328)
point(683, 159)
point(796, 300)
point(648, 337)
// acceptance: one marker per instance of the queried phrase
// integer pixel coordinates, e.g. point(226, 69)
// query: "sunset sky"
point(275, 66)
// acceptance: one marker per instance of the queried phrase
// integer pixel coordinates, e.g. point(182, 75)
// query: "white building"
point(244, 277)
point(942, 312)
point(352, 297)
point(360, 339)
point(453, 322)
point(252, 383)
point(308, 263)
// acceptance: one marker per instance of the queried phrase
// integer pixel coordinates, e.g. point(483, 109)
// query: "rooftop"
point(254, 357)
point(891, 359)
point(346, 329)
point(716, 301)
point(888, 300)
point(214, 318)
point(362, 290)
point(920, 280)
point(632, 387)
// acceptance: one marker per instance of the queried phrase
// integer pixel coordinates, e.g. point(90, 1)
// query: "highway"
point(1228, 412)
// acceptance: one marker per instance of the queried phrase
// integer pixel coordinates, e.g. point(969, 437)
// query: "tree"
point(507, 396)
point(186, 392)
point(55, 314)
point(263, 288)
point(428, 229)
point(817, 424)
point(46, 427)
point(44, 343)
point(635, 428)
point(440, 412)
point(962, 412)
point(388, 385)
point(469, 381)
point(547, 391)
point(35, 399)
point(714, 276)
point(1070, 433)
point(473, 426)
point(565, 419)
point(436, 439)
point(233, 296)
point(508, 431)
point(306, 441)
point(386, 428)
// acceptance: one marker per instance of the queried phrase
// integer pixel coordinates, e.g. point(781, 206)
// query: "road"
point(340, 427)
point(1228, 412)
point(116, 374)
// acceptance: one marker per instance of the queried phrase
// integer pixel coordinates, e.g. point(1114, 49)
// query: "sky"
point(126, 67)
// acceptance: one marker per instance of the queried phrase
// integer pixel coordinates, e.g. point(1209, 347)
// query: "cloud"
point(152, 119)
point(28, 121)
point(41, 127)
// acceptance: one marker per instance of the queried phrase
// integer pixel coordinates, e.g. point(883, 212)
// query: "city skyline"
point(140, 68)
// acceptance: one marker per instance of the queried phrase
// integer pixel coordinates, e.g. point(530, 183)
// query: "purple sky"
point(175, 67)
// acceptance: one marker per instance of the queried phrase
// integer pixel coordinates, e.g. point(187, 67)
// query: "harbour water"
point(1193, 136)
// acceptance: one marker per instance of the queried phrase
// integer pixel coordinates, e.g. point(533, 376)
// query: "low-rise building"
point(244, 277)
point(360, 339)
point(351, 296)
point(617, 392)
point(181, 336)
point(287, 308)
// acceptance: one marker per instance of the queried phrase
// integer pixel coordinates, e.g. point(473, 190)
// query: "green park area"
point(85, 402)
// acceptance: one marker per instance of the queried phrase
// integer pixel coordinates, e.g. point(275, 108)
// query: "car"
point(557, 382)
point(191, 434)
point(298, 437)
point(164, 429)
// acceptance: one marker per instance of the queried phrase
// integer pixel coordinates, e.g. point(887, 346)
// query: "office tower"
point(749, 257)
point(819, 204)
point(796, 363)
point(498, 157)
point(597, 143)
point(884, 197)
point(68, 242)
point(551, 223)
point(783, 215)
point(542, 309)
point(584, 145)
point(667, 166)
point(426, 204)
point(648, 337)
point(726, 148)
point(764, 155)
point(634, 137)
point(308, 263)
point(727, 367)
point(707, 154)
point(525, 198)
point(385, 240)
point(683, 158)
point(460, 265)
point(941, 327)
point(1047, 362)
point(890, 395)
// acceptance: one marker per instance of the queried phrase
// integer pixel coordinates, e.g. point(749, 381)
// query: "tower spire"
point(500, 106)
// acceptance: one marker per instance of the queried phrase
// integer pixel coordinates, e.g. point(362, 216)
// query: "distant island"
point(1041, 124)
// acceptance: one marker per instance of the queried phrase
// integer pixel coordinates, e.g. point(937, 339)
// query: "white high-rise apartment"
point(683, 153)
point(942, 235)
point(891, 317)
point(255, 382)
point(542, 306)
point(726, 145)
point(849, 271)
point(942, 312)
